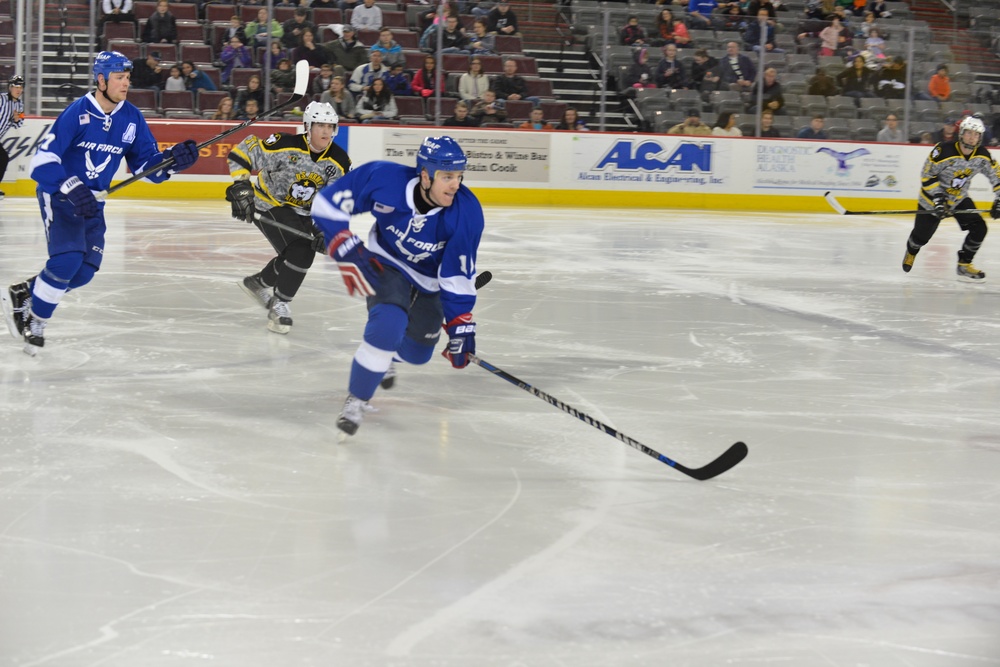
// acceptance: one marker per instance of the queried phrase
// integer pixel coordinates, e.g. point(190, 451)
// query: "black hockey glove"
point(319, 243)
point(941, 206)
point(240, 194)
point(995, 211)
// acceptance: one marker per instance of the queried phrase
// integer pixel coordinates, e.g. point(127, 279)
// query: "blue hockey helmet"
point(107, 62)
point(440, 154)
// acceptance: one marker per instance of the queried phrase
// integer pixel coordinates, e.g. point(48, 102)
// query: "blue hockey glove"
point(185, 154)
point(941, 205)
point(359, 269)
point(240, 195)
point(79, 195)
point(995, 211)
point(461, 340)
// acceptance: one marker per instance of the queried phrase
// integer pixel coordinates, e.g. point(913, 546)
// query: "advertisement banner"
point(811, 165)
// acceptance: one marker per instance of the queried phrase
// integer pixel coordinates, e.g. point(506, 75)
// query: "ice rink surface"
point(173, 489)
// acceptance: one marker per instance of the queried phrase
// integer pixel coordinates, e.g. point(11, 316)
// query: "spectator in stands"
point(258, 30)
point(735, 72)
point(633, 34)
point(194, 78)
point(891, 133)
point(767, 128)
point(253, 91)
point(947, 133)
point(833, 37)
point(472, 84)
point(324, 4)
point(292, 29)
point(424, 78)
point(175, 82)
point(461, 118)
point(249, 111)
point(822, 84)
point(510, 85)
point(818, 10)
point(502, 20)
point(857, 81)
point(755, 29)
point(731, 18)
point(347, 4)
point(670, 72)
point(398, 81)
point(367, 16)
point(867, 25)
point(482, 43)
point(225, 110)
point(699, 14)
point(118, 11)
point(875, 45)
point(939, 85)
point(322, 81)
point(283, 78)
point(392, 53)
point(147, 72)
point(892, 79)
point(927, 138)
point(454, 39)
point(275, 56)
point(725, 125)
point(362, 77)
point(310, 51)
point(536, 121)
point(814, 130)
point(702, 65)
point(773, 97)
point(234, 29)
point(755, 6)
point(377, 104)
point(571, 121)
point(668, 31)
point(482, 8)
point(339, 98)
point(639, 74)
point(234, 55)
point(879, 9)
point(431, 18)
point(346, 52)
point(691, 125)
point(489, 109)
point(161, 27)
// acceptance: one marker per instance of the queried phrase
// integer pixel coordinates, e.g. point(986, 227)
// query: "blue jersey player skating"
point(417, 269)
point(77, 158)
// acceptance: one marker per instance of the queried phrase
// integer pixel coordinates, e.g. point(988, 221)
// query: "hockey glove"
point(461, 340)
point(941, 206)
point(359, 269)
point(79, 195)
point(319, 242)
point(240, 195)
point(184, 154)
point(995, 211)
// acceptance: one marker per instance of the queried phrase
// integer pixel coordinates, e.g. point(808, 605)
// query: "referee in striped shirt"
point(11, 115)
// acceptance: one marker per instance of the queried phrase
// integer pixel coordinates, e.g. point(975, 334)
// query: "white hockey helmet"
point(972, 123)
point(320, 112)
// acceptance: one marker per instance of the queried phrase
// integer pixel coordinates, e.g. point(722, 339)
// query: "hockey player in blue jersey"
point(77, 158)
point(418, 268)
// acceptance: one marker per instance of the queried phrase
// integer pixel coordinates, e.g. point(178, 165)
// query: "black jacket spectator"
point(160, 29)
point(501, 19)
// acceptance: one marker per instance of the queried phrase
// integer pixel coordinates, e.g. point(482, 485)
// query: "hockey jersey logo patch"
point(93, 171)
point(129, 135)
point(303, 189)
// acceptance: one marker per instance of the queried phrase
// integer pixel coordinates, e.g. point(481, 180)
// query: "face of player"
point(442, 188)
point(970, 139)
point(117, 86)
point(320, 136)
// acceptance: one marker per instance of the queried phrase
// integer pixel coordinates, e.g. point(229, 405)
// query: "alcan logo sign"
point(650, 161)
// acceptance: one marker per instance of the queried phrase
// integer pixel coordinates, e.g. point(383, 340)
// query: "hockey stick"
point(839, 208)
point(729, 458)
point(301, 83)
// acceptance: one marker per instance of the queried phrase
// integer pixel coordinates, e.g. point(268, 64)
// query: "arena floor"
point(173, 489)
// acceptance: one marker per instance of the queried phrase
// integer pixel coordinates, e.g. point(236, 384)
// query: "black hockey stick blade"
point(839, 208)
point(482, 279)
point(301, 84)
point(729, 458)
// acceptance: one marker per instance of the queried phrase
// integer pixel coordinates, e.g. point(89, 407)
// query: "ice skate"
point(34, 333)
point(352, 414)
point(389, 379)
point(279, 316)
point(257, 290)
point(909, 258)
point(16, 303)
point(969, 273)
